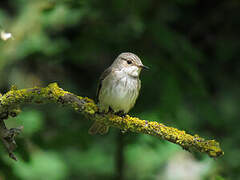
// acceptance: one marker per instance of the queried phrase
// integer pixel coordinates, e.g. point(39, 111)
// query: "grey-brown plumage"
point(118, 87)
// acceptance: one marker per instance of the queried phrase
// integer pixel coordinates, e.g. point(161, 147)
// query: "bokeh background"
point(192, 47)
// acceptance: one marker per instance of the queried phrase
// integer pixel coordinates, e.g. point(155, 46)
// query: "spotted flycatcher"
point(118, 87)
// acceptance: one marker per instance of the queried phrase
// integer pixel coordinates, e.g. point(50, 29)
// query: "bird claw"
point(121, 114)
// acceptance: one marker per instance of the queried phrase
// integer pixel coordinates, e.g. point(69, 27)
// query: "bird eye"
point(129, 62)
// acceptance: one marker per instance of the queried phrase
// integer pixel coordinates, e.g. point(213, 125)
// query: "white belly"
point(118, 93)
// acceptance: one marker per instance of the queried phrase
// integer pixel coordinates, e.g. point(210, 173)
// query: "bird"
point(118, 88)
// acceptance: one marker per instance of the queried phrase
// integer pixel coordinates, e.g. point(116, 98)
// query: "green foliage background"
point(192, 47)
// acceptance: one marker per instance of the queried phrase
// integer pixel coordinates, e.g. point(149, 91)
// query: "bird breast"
point(119, 91)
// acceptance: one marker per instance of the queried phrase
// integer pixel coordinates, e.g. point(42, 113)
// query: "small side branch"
point(12, 100)
point(7, 137)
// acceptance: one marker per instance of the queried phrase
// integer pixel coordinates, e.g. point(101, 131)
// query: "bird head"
point(129, 63)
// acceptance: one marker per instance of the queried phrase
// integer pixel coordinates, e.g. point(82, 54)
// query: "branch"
point(12, 100)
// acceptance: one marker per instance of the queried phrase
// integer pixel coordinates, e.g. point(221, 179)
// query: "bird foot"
point(121, 114)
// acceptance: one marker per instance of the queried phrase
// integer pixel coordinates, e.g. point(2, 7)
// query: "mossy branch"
point(12, 100)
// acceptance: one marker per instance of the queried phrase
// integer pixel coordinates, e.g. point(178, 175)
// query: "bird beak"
point(144, 67)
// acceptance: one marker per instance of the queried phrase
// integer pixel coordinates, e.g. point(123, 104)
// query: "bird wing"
point(102, 77)
point(139, 85)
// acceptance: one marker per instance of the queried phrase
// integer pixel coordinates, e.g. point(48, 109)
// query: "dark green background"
point(192, 47)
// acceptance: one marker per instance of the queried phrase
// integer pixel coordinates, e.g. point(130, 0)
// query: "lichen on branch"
point(10, 107)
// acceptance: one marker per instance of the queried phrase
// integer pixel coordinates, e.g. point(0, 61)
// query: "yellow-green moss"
point(52, 93)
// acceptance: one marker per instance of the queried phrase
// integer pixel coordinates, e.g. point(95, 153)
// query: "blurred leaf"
point(32, 120)
point(42, 165)
point(219, 178)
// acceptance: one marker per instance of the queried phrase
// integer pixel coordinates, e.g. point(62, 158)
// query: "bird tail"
point(98, 128)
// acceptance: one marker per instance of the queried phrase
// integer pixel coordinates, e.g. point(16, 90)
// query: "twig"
point(12, 100)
